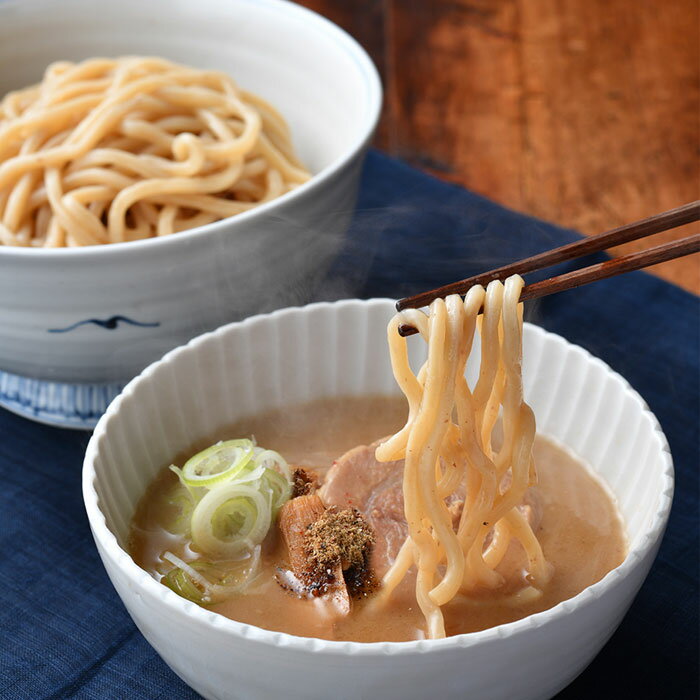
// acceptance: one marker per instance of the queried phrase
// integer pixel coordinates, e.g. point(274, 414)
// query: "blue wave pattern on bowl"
point(61, 404)
point(108, 323)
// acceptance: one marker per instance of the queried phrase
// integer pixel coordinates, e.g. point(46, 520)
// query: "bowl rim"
point(373, 97)
point(107, 542)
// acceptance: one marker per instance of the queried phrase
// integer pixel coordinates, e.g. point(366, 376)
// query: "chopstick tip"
point(406, 330)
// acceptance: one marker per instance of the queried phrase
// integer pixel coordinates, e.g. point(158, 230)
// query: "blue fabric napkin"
point(63, 631)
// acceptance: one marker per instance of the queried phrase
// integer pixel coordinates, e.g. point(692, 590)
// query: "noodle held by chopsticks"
point(113, 150)
point(447, 441)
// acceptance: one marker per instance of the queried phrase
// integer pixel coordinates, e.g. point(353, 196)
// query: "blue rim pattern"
point(65, 405)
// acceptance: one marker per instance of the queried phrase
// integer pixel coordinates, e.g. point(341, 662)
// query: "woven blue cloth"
point(63, 631)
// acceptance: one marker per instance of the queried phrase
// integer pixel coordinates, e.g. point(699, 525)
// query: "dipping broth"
point(579, 529)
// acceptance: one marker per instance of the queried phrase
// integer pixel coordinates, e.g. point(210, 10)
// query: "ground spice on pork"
point(341, 536)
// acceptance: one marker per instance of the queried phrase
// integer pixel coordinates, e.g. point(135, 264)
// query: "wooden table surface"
point(585, 113)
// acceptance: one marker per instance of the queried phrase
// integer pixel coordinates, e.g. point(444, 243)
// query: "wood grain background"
point(582, 112)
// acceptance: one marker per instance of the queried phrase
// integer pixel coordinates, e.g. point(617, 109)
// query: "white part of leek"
point(274, 481)
point(218, 463)
point(214, 592)
point(273, 460)
point(250, 535)
point(247, 477)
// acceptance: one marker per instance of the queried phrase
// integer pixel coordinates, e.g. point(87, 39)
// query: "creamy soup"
point(578, 526)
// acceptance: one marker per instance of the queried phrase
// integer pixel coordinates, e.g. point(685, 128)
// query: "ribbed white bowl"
point(323, 350)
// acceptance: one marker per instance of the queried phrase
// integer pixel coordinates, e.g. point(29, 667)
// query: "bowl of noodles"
point(484, 505)
point(164, 168)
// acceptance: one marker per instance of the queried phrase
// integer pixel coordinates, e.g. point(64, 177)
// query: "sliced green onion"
point(230, 520)
point(218, 463)
point(279, 488)
point(231, 493)
point(188, 580)
point(273, 460)
point(182, 500)
point(247, 476)
point(182, 583)
point(190, 489)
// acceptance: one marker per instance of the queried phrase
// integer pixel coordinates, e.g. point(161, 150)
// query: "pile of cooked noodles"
point(114, 150)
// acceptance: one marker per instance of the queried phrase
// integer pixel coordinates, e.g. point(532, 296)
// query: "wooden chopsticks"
point(635, 261)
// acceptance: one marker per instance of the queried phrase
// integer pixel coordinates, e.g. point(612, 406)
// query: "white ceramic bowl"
point(326, 350)
point(171, 289)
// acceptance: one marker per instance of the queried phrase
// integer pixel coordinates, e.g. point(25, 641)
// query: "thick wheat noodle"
point(147, 211)
point(481, 481)
point(449, 470)
point(83, 178)
point(18, 197)
point(499, 544)
point(443, 456)
point(220, 208)
point(183, 223)
point(75, 89)
point(85, 231)
point(490, 362)
point(113, 150)
point(143, 190)
point(166, 220)
point(435, 507)
point(42, 219)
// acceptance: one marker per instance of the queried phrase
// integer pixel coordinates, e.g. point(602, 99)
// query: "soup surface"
point(580, 531)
